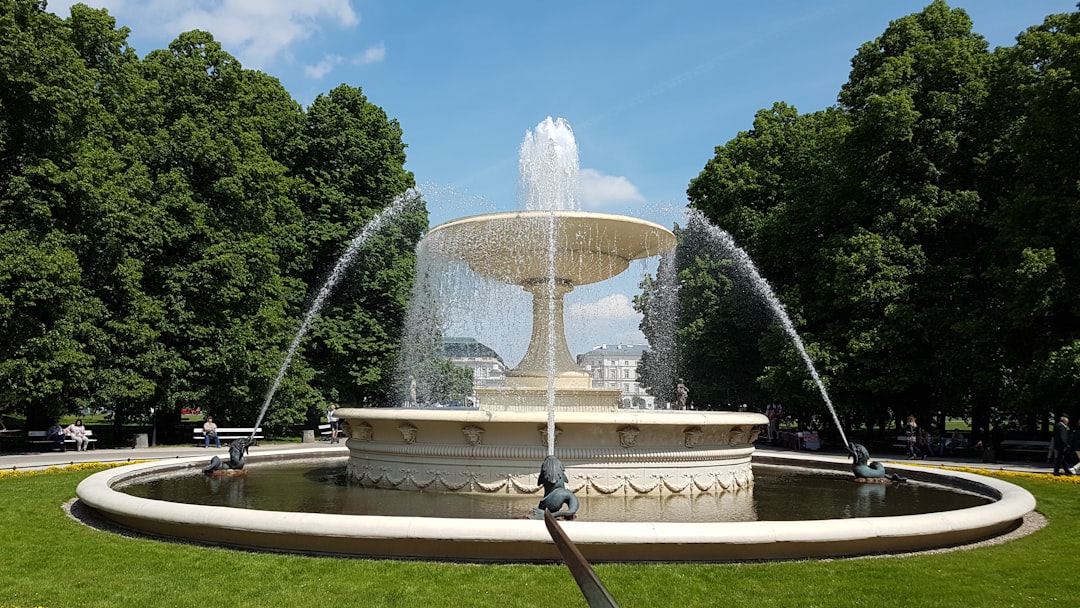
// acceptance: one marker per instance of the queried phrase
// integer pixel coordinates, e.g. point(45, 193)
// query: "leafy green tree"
point(50, 320)
point(350, 157)
point(914, 222)
point(779, 179)
point(1033, 173)
point(163, 219)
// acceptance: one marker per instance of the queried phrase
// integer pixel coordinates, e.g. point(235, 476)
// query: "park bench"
point(324, 431)
point(229, 434)
point(1028, 448)
point(40, 439)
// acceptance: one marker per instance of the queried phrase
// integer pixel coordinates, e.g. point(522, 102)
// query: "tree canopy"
point(165, 220)
point(922, 233)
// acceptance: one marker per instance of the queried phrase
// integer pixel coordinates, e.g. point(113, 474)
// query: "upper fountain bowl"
point(513, 247)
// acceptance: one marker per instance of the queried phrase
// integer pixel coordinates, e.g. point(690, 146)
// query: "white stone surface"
point(526, 540)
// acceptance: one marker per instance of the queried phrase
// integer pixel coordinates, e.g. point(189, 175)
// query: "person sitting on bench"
point(77, 432)
point(56, 433)
point(210, 432)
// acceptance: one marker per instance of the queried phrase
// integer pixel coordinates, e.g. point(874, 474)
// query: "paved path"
point(41, 460)
point(952, 461)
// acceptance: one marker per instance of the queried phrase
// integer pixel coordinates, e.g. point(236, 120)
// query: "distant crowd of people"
point(921, 443)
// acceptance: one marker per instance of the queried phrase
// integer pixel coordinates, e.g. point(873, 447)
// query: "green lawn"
point(51, 560)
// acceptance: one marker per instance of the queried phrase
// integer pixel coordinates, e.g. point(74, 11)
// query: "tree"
point(915, 217)
point(351, 159)
point(1033, 175)
point(777, 180)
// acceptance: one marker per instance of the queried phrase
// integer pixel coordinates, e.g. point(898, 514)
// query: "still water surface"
point(778, 493)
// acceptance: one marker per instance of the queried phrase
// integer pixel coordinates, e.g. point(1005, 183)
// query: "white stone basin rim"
point(528, 541)
point(512, 247)
point(611, 416)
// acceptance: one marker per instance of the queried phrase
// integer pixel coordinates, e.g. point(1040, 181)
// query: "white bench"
point(227, 434)
point(40, 438)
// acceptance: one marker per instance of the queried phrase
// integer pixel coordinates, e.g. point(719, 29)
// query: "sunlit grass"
point(51, 560)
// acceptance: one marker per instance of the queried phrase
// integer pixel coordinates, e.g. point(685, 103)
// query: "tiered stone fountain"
point(499, 446)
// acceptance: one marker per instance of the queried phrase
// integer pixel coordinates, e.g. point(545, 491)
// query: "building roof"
point(631, 350)
point(467, 348)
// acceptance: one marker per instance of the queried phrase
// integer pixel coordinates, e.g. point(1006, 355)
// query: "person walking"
point(335, 426)
point(1062, 443)
point(911, 433)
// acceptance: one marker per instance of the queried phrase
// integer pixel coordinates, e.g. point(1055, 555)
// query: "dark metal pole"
point(594, 591)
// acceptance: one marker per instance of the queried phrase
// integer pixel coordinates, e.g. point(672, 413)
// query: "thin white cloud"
point(373, 54)
point(255, 31)
point(324, 67)
point(609, 320)
point(598, 190)
point(615, 307)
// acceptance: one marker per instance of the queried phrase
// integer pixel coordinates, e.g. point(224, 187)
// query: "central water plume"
point(548, 181)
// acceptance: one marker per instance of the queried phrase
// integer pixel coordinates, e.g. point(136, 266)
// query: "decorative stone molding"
point(474, 435)
point(691, 436)
point(359, 430)
point(408, 432)
point(455, 481)
point(543, 434)
point(628, 436)
point(736, 436)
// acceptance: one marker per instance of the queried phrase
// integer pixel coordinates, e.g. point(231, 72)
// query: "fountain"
point(548, 408)
point(548, 405)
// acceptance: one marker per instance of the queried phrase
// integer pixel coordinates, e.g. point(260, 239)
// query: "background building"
point(487, 366)
point(615, 367)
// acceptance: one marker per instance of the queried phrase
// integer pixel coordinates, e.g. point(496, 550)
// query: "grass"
point(51, 560)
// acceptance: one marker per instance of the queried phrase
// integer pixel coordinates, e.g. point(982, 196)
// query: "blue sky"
point(650, 88)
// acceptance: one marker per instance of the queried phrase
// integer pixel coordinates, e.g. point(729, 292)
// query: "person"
point(56, 433)
point(775, 414)
point(77, 431)
point(682, 394)
point(911, 433)
point(937, 445)
point(210, 432)
point(335, 425)
point(1062, 442)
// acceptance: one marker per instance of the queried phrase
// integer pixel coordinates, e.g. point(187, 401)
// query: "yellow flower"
point(81, 466)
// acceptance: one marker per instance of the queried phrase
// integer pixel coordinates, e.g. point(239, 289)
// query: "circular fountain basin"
point(528, 540)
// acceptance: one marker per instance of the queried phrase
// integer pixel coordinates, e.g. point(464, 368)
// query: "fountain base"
point(482, 451)
point(522, 397)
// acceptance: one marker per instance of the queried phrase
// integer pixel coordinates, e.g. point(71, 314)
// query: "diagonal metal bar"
point(594, 591)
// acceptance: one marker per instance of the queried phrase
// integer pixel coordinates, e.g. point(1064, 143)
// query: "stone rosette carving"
point(628, 435)
point(544, 436)
point(359, 430)
point(692, 436)
point(408, 432)
point(474, 435)
point(737, 436)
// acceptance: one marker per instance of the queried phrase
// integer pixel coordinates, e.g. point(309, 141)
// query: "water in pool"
point(778, 493)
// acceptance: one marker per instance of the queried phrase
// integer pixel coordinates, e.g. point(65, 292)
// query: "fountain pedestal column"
point(548, 336)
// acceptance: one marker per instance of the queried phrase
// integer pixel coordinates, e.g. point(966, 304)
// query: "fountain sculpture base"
point(482, 451)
